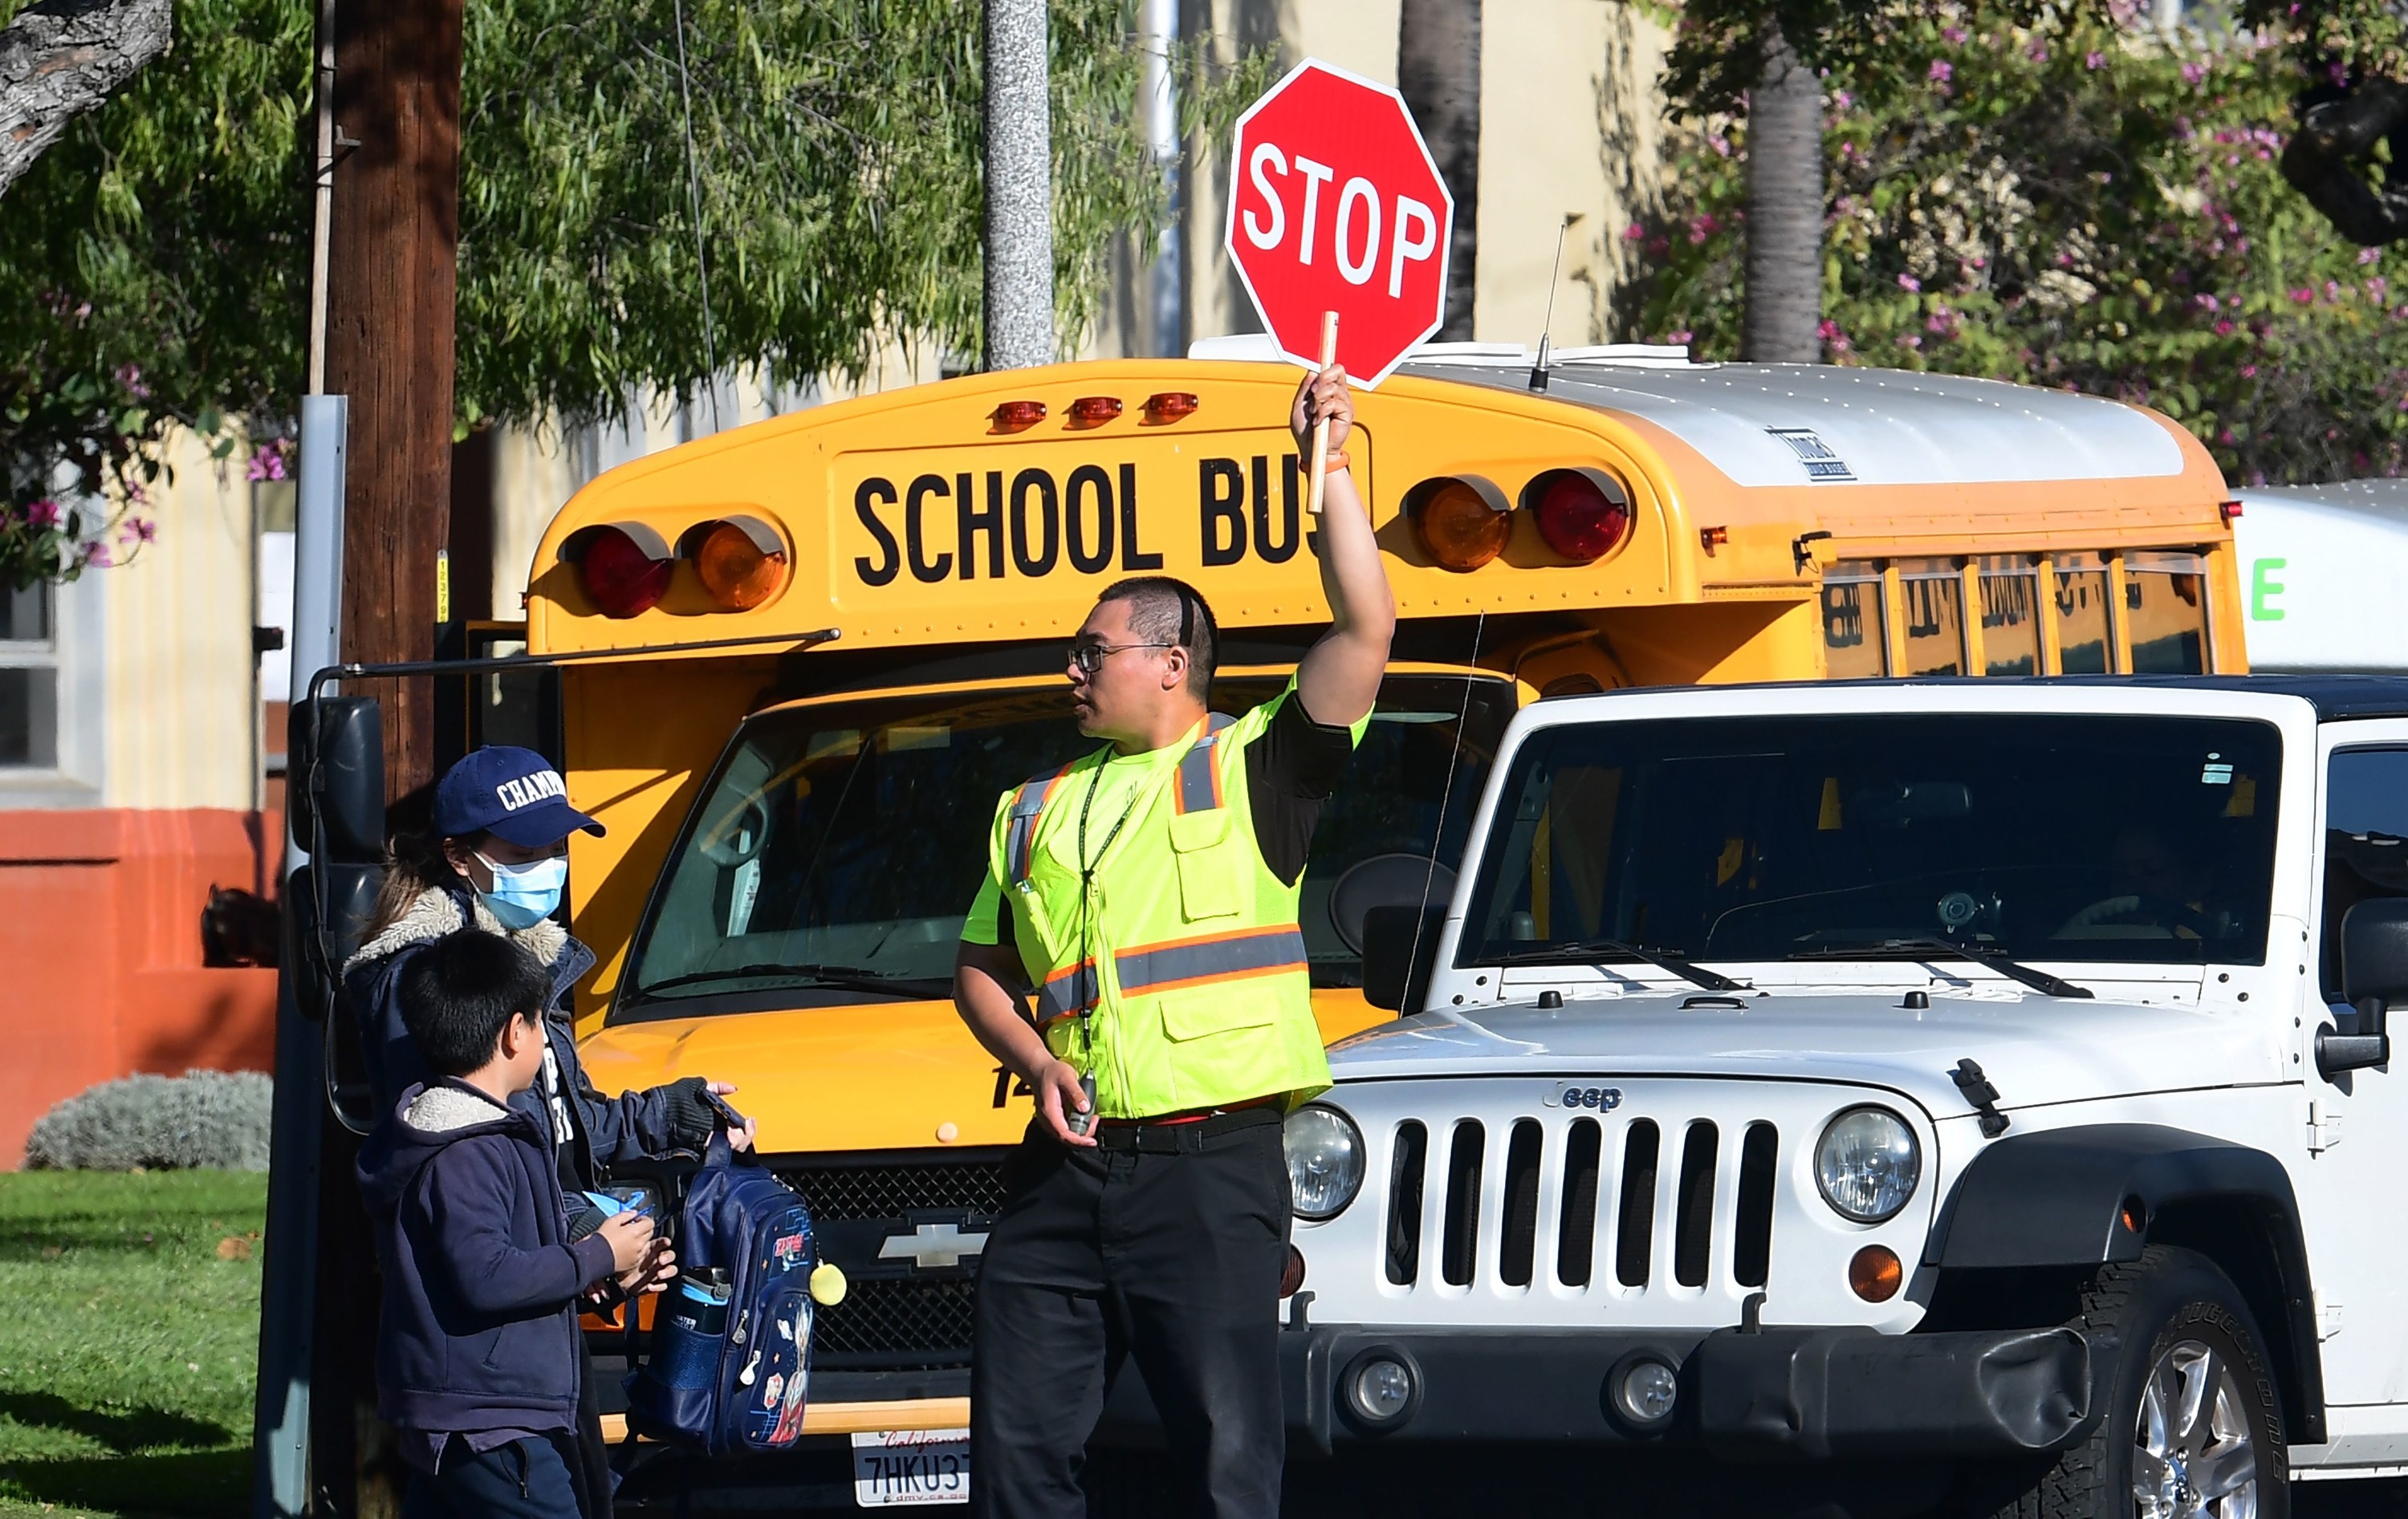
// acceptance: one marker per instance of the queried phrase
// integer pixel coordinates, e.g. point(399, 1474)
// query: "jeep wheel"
point(2192, 1426)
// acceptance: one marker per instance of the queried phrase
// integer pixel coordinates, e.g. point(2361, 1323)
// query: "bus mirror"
point(325, 925)
point(335, 749)
point(1400, 948)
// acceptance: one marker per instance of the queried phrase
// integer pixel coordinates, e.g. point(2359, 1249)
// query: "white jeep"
point(1962, 1077)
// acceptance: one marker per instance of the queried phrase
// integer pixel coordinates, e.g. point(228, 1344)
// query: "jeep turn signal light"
point(1874, 1274)
point(1583, 513)
point(1170, 406)
point(625, 567)
point(1463, 521)
point(1018, 416)
point(1094, 410)
point(740, 560)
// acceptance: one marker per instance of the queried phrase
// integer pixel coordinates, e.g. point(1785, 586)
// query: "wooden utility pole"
point(389, 281)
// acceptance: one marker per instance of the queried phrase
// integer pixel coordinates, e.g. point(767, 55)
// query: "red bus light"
point(1581, 513)
point(1094, 410)
point(1018, 416)
point(624, 568)
point(1170, 406)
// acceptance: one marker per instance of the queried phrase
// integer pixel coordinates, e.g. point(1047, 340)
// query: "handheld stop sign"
point(1339, 222)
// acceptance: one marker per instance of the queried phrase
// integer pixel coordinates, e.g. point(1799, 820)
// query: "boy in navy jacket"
point(478, 1360)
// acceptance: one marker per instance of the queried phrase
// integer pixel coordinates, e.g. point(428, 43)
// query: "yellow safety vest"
point(1193, 973)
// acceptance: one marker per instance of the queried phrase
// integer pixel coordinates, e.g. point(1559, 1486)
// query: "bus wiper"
point(1998, 960)
point(845, 978)
point(1575, 949)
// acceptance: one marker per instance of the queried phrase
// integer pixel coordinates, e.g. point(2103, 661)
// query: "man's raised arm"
point(1339, 677)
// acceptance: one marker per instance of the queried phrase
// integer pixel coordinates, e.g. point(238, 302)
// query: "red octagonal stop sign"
point(1334, 205)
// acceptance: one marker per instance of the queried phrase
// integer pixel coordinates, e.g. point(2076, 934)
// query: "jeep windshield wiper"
point(1574, 951)
point(1912, 949)
point(846, 978)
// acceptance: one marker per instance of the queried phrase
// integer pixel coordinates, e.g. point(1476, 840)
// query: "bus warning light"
point(1462, 524)
point(1094, 410)
point(1170, 406)
point(1581, 513)
point(625, 567)
point(1018, 416)
point(1711, 538)
point(740, 560)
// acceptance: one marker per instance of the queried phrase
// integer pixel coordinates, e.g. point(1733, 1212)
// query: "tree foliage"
point(154, 266)
point(2092, 208)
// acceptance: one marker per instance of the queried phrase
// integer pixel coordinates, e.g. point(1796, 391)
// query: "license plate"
point(894, 1467)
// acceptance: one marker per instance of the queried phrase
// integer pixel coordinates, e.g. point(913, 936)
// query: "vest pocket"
point(1209, 1011)
point(1210, 864)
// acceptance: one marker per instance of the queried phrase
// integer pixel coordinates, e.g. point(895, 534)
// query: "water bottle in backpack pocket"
point(729, 1369)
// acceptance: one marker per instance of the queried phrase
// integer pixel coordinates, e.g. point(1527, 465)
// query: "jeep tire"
point(2191, 1416)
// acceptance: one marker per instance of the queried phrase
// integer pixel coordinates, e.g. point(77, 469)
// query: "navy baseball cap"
point(511, 793)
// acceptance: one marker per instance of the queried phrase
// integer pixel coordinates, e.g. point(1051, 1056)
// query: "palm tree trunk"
point(1437, 72)
point(1784, 211)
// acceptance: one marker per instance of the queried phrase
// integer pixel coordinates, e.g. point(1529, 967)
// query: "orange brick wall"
point(100, 952)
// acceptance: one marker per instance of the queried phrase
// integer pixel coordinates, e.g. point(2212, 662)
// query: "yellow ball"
point(827, 1285)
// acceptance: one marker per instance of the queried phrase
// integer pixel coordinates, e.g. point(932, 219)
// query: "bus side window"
point(1933, 593)
point(2082, 632)
point(1856, 642)
point(2366, 843)
point(2165, 595)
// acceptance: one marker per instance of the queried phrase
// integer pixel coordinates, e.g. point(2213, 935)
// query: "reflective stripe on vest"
point(1176, 963)
point(1026, 804)
point(1199, 779)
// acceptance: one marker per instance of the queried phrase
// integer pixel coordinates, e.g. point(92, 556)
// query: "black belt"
point(1144, 1138)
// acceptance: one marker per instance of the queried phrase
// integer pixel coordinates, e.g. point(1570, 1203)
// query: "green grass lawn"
point(129, 1329)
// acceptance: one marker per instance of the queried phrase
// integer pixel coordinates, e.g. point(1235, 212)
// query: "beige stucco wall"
point(182, 705)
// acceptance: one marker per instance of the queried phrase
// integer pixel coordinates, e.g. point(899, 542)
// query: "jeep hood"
point(2037, 1051)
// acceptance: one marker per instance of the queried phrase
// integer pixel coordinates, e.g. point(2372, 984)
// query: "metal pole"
point(1158, 35)
point(1019, 188)
point(289, 1271)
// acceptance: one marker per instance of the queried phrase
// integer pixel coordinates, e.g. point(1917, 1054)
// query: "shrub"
point(202, 1119)
point(2093, 208)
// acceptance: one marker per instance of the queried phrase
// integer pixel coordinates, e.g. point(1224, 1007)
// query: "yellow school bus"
point(883, 588)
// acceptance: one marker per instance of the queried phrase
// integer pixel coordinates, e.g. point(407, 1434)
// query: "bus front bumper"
point(1790, 1393)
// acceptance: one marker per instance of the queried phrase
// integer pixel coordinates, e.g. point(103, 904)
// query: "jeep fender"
point(2059, 1197)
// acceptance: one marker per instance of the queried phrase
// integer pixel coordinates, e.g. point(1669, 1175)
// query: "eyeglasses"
point(1090, 657)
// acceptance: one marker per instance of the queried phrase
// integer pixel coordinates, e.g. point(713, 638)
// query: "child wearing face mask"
point(495, 860)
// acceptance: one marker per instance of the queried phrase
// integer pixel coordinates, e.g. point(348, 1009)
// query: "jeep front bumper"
point(1811, 1393)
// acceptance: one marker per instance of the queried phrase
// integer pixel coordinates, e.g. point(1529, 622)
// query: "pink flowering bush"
point(2104, 213)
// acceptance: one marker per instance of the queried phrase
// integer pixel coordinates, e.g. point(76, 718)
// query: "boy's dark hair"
point(1169, 611)
point(459, 994)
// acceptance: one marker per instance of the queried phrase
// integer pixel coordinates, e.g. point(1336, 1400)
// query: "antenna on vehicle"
point(1539, 370)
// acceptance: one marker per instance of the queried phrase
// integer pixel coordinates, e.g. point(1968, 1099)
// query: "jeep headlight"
point(1867, 1163)
point(1325, 1161)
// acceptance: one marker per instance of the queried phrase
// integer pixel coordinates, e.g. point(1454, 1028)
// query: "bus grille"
point(1612, 1212)
point(895, 1317)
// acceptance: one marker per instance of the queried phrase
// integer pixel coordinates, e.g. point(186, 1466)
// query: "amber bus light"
point(740, 561)
point(624, 567)
point(1583, 514)
point(1462, 520)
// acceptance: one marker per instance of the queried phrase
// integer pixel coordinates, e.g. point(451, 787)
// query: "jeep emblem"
point(1603, 1099)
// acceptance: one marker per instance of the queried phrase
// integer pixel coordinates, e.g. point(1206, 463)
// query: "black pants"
point(1165, 1245)
point(526, 1478)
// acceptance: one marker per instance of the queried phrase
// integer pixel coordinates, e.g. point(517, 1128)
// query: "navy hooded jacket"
point(587, 1132)
point(478, 1329)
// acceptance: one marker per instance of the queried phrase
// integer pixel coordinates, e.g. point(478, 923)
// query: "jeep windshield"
point(836, 851)
point(2049, 838)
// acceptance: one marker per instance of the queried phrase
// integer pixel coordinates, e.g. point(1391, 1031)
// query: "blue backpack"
point(731, 1348)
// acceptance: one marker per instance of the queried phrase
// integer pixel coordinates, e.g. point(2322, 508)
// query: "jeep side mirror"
point(2374, 975)
point(1400, 948)
point(335, 766)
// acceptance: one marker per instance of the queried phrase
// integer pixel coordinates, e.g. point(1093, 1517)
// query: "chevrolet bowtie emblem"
point(932, 1244)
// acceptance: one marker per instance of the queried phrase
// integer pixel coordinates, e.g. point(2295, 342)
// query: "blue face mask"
point(526, 895)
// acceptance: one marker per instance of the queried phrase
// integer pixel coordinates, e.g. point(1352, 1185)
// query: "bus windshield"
point(835, 853)
point(2034, 837)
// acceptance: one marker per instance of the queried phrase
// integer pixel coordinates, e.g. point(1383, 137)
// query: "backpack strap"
point(1200, 777)
point(1020, 840)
